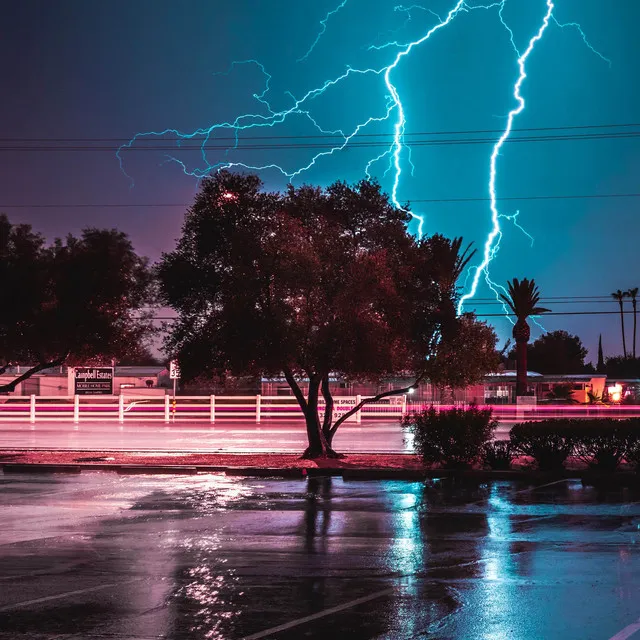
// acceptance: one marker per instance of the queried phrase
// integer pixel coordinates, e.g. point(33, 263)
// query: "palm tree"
point(633, 294)
point(450, 260)
point(620, 296)
point(523, 297)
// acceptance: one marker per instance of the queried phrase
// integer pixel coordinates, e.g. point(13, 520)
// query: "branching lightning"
point(398, 153)
point(323, 28)
point(492, 243)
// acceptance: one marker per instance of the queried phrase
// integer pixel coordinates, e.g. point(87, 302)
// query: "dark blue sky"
point(104, 71)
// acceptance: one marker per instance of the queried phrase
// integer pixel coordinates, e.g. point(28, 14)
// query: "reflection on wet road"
point(217, 557)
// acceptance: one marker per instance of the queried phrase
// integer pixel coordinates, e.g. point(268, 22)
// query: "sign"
point(93, 380)
point(174, 370)
point(341, 404)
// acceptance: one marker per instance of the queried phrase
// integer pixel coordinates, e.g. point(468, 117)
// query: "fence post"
point(76, 409)
point(258, 398)
point(213, 409)
point(121, 409)
point(167, 399)
point(404, 405)
point(32, 409)
point(359, 412)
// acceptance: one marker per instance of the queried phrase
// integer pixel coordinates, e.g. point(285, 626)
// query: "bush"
point(603, 443)
point(632, 455)
point(453, 437)
point(548, 442)
point(497, 455)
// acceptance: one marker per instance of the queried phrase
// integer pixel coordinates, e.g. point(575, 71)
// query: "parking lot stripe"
point(627, 632)
point(321, 614)
point(61, 596)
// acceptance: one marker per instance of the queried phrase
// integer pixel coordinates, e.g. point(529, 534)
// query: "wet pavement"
point(216, 557)
point(370, 436)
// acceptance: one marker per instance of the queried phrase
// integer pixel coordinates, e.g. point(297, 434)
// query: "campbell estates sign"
point(94, 380)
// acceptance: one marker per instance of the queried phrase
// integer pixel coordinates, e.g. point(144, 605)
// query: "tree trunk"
point(521, 368)
point(624, 341)
point(318, 446)
point(328, 410)
point(635, 318)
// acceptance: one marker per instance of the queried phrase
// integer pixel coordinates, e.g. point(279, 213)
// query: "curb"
point(587, 477)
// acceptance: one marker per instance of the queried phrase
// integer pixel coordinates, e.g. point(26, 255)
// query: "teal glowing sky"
point(86, 71)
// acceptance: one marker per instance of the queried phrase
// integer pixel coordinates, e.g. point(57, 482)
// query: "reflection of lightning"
point(322, 30)
point(493, 239)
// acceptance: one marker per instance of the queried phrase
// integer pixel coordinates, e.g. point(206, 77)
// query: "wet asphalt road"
point(379, 436)
point(215, 557)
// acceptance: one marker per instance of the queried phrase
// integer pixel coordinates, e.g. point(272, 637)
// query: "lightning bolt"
point(397, 153)
point(492, 242)
point(578, 28)
point(322, 30)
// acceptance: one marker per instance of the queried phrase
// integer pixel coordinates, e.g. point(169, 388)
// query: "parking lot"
point(210, 556)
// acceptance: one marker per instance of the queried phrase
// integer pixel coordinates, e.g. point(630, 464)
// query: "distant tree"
point(466, 357)
point(312, 282)
point(141, 357)
point(620, 295)
point(633, 294)
point(621, 367)
point(78, 301)
point(522, 297)
point(600, 368)
point(556, 352)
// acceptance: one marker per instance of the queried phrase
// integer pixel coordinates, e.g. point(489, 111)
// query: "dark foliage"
point(498, 455)
point(562, 392)
point(79, 301)
point(555, 352)
point(622, 367)
point(632, 455)
point(453, 437)
point(307, 283)
point(548, 442)
point(604, 442)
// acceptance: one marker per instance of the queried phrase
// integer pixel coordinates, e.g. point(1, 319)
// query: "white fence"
point(169, 409)
point(210, 409)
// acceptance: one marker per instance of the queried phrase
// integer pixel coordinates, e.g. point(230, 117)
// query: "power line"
point(318, 146)
point(158, 205)
point(145, 137)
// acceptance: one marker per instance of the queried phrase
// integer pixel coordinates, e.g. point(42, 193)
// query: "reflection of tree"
point(318, 504)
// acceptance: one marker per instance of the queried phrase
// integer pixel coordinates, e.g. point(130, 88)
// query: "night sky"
point(87, 74)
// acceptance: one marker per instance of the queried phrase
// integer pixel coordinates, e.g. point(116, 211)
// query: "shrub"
point(603, 443)
point(632, 455)
point(453, 437)
point(548, 442)
point(497, 455)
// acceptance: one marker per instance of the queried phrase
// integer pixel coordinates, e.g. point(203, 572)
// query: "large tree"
point(308, 283)
point(522, 297)
point(77, 301)
point(555, 352)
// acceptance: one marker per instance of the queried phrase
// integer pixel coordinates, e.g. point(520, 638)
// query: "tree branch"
point(297, 392)
point(11, 386)
point(380, 396)
point(4, 368)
